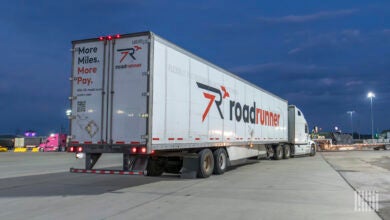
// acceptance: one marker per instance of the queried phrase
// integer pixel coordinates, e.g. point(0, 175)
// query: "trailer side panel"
point(198, 104)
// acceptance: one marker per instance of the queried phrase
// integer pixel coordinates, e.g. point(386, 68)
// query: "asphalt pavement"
point(299, 188)
point(365, 171)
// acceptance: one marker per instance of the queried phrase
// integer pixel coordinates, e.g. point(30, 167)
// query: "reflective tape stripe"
point(72, 170)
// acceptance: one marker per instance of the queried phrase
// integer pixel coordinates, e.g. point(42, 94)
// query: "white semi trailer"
point(168, 110)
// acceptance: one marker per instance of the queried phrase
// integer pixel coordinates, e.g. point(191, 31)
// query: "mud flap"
point(135, 163)
point(190, 167)
point(91, 159)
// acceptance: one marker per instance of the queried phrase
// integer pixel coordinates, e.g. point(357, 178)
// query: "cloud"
point(280, 67)
point(290, 19)
point(351, 33)
point(353, 83)
point(295, 50)
point(326, 41)
point(327, 81)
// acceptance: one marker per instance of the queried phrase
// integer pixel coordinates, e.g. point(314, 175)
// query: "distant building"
point(385, 134)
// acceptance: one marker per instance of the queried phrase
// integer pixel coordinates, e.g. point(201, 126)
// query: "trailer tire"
point(278, 152)
point(155, 168)
point(312, 150)
point(220, 161)
point(206, 163)
point(286, 151)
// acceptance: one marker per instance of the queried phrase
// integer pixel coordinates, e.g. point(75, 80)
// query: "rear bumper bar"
point(117, 172)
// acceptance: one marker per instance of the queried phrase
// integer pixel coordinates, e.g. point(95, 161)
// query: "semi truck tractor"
point(55, 142)
point(167, 110)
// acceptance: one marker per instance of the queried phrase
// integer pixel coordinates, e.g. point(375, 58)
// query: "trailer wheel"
point(220, 160)
point(286, 151)
point(313, 150)
point(155, 167)
point(206, 163)
point(278, 152)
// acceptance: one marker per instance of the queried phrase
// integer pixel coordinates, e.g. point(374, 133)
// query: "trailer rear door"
point(88, 91)
point(110, 90)
point(129, 90)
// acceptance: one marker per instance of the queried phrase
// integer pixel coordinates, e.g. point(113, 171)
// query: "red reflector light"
point(101, 38)
point(143, 150)
point(134, 150)
point(117, 36)
point(79, 149)
point(71, 149)
point(109, 37)
point(152, 152)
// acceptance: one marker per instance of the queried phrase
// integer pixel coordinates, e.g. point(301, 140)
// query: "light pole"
point(371, 95)
point(351, 113)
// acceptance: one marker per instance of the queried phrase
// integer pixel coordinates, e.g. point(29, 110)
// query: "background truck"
point(28, 142)
point(8, 141)
point(55, 142)
point(168, 110)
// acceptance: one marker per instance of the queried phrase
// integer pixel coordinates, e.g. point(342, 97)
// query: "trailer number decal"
point(237, 111)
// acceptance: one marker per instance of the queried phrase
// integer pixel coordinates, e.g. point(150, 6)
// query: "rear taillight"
point(74, 149)
point(71, 149)
point(139, 150)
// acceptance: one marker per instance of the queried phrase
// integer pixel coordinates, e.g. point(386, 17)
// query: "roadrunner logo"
point(238, 112)
point(128, 58)
point(129, 52)
point(212, 97)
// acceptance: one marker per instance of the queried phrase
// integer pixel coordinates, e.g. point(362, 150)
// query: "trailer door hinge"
point(145, 136)
point(145, 73)
point(145, 94)
point(72, 97)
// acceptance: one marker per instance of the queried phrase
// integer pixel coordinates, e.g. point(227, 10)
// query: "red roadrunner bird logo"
point(211, 97)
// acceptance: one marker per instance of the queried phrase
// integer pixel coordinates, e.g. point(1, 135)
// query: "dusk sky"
point(323, 56)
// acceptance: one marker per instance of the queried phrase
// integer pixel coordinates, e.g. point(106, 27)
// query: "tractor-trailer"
point(28, 142)
point(168, 110)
